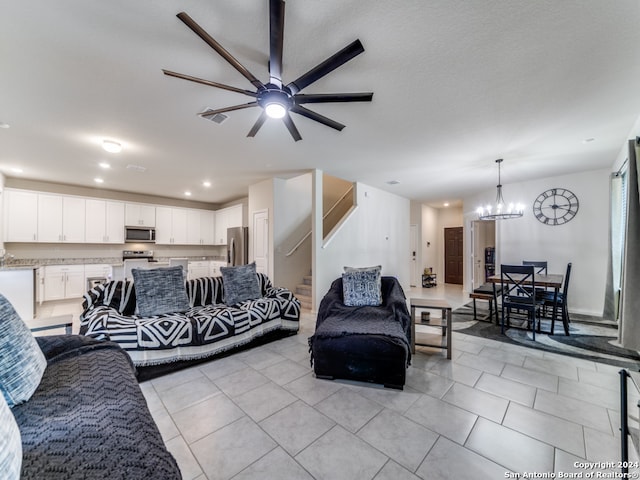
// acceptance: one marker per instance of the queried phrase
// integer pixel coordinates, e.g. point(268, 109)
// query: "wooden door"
point(453, 239)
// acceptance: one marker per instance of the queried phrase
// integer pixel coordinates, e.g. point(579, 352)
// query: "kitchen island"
point(18, 285)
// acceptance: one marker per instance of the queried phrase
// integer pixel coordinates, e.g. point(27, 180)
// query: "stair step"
point(303, 289)
point(305, 301)
point(308, 280)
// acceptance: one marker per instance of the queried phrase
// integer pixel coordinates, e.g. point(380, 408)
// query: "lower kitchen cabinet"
point(64, 281)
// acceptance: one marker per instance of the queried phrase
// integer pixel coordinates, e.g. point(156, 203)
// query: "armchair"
point(370, 344)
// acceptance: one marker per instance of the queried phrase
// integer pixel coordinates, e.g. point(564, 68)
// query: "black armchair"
point(369, 344)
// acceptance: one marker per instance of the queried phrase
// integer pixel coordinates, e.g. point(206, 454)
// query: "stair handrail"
point(333, 207)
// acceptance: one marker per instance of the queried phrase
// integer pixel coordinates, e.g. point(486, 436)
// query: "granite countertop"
point(26, 263)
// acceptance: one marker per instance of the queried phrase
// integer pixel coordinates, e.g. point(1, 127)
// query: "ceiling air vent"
point(217, 118)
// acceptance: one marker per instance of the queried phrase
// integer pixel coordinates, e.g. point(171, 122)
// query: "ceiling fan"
point(276, 99)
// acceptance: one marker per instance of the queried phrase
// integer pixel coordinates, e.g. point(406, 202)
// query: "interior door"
point(261, 241)
point(413, 235)
point(453, 240)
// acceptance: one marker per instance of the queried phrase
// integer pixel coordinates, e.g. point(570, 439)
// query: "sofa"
point(210, 323)
point(369, 343)
point(71, 408)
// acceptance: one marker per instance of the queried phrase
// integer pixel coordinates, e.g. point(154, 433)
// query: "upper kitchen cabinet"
point(61, 218)
point(227, 218)
point(104, 221)
point(20, 216)
point(200, 227)
point(139, 215)
point(171, 226)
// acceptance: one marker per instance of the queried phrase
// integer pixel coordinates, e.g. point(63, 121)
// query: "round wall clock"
point(556, 206)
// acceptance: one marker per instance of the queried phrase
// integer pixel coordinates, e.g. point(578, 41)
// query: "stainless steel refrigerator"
point(237, 246)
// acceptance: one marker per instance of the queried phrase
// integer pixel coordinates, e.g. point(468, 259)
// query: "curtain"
point(629, 327)
point(617, 222)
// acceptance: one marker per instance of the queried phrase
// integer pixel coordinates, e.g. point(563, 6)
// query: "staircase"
point(303, 292)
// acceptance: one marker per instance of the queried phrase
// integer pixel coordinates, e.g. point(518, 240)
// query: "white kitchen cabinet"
point(171, 226)
point(20, 216)
point(139, 215)
point(64, 281)
point(227, 218)
point(214, 268)
point(200, 226)
point(104, 221)
point(60, 218)
point(198, 269)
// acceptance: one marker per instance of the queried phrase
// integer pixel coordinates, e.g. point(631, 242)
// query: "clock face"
point(556, 206)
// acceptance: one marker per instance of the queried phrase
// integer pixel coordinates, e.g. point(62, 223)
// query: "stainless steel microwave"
point(139, 234)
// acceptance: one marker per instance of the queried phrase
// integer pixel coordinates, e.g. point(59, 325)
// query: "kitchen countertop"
point(113, 261)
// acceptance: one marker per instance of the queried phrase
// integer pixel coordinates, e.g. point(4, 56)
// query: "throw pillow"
point(10, 443)
point(240, 283)
point(22, 363)
point(160, 290)
point(362, 286)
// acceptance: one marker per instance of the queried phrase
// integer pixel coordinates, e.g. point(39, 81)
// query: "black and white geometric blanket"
point(208, 327)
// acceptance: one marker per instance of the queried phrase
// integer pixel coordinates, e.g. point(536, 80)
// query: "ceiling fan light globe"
point(275, 110)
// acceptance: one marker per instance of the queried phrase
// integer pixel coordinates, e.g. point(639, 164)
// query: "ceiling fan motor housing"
point(274, 94)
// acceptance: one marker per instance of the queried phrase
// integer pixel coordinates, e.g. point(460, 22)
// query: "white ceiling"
point(458, 83)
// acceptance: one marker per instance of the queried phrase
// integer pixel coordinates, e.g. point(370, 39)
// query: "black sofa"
point(88, 418)
point(370, 344)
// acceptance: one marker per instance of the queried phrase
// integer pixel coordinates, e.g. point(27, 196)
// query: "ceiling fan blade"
point(208, 82)
point(288, 121)
point(257, 125)
point(209, 113)
point(343, 56)
point(317, 117)
point(333, 97)
point(198, 30)
point(276, 33)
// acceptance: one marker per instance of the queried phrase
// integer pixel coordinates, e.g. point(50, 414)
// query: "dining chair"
point(541, 269)
point(513, 278)
point(560, 302)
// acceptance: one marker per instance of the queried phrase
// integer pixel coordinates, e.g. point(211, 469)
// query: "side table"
point(61, 321)
point(444, 323)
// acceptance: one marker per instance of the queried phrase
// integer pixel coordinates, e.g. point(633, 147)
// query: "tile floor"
point(494, 408)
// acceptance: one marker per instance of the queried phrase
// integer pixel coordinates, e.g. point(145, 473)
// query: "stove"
point(138, 254)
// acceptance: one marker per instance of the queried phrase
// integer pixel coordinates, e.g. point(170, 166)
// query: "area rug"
point(589, 337)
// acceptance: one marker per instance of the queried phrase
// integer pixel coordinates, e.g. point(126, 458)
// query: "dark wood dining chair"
point(559, 303)
point(513, 278)
point(541, 269)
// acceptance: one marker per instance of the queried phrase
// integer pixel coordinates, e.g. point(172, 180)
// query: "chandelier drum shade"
point(500, 210)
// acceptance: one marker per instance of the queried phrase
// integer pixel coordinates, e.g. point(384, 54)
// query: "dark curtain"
point(629, 327)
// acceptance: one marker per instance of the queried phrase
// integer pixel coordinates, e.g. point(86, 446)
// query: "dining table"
point(551, 280)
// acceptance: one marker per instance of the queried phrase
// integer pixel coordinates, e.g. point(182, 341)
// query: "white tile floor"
point(493, 408)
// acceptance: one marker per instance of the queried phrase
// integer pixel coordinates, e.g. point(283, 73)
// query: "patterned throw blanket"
point(88, 418)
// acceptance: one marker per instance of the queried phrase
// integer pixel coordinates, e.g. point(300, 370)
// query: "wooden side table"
point(444, 323)
point(61, 321)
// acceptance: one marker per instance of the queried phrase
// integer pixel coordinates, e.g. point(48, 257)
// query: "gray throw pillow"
point(22, 363)
point(240, 283)
point(10, 443)
point(362, 286)
point(160, 290)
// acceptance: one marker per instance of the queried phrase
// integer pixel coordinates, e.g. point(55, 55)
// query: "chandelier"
point(500, 211)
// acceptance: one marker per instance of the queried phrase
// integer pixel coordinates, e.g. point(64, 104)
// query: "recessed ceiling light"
point(393, 182)
point(589, 140)
point(187, 193)
point(446, 204)
point(104, 165)
point(111, 146)
point(17, 170)
point(98, 180)
point(4, 125)
point(206, 183)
